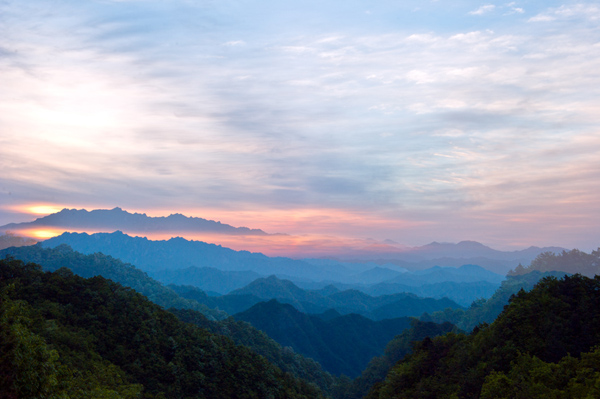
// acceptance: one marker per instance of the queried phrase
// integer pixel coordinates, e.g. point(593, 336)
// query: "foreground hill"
point(343, 345)
point(400, 346)
point(543, 345)
point(65, 336)
point(52, 259)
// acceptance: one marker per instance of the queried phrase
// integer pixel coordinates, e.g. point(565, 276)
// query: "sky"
point(412, 121)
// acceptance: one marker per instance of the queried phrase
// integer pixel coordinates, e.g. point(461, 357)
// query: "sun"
point(43, 234)
point(43, 209)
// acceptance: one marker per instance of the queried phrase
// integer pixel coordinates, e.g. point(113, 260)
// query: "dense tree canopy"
point(93, 338)
point(542, 345)
point(574, 261)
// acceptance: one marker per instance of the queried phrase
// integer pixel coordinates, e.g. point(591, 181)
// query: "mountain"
point(207, 279)
point(461, 250)
point(462, 293)
point(179, 253)
point(62, 336)
point(218, 269)
point(400, 346)
point(387, 253)
point(228, 303)
point(544, 344)
point(486, 311)
point(438, 274)
point(344, 302)
point(53, 259)
point(446, 254)
point(342, 344)
point(118, 219)
point(97, 264)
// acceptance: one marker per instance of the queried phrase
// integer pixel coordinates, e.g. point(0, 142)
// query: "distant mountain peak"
point(119, 219)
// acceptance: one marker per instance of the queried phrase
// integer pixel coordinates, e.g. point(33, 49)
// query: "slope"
point(98, 264)
point(108, 267)
point(543, 344)
point(87, 337)
point(327, 341)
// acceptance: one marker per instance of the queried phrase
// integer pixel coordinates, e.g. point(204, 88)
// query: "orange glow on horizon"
point(38, 209)
point(311, 221)
point(44, 234)
point(295, 246)
point(306, 232)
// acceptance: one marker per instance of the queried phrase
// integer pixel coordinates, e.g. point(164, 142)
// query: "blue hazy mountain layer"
point(318, 301)
point(220, 270)
point(212, 281)
point(179, 253)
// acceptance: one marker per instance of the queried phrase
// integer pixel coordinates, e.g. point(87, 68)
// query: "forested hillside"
point(63, 336)
point(572, 262)
point(98, 264)
point(343, 345)
point(486, 311)
point(395, 350)
point(241, 333)
point(543, 345)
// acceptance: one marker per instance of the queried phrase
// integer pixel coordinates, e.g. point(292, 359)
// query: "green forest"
point(71, 332)
point(64, 336)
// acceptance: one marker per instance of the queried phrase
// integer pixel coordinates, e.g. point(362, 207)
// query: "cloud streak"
point(220, 105)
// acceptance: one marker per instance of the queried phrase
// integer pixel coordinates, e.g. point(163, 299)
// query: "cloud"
point(483, 10)
point(590, 12)
point(235, 43)
point(432, 125)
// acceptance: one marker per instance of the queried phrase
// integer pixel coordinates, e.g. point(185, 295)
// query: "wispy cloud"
point(590, 12)
point(483, 10)
point(176, 104)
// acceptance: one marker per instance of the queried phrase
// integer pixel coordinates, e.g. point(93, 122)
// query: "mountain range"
point(220, 270)
point(388, 253)
point(118, 219)
point(318, 301)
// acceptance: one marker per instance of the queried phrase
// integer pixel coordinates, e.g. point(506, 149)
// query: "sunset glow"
point(405, 121)
point(40, 234)
point(42, 209)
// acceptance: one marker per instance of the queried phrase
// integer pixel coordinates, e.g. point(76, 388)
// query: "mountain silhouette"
point(119, 219)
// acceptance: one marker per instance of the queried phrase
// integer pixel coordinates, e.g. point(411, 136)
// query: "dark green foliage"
point(343, 345)
point(98, 264)
point(542, 345)
point(95, 338)
point(243, 333)
point(571, 262)
point(395, 350)
point(531, 377)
